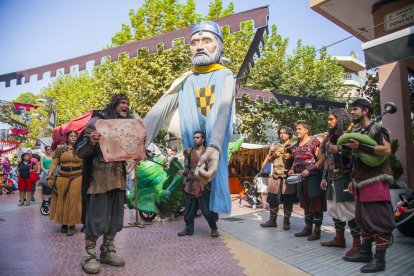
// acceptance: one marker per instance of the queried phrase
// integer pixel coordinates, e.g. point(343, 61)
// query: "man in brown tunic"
point(278, 191)
point(103, 190)
point(197, 194)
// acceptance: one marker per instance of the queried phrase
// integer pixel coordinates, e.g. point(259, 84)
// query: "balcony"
point(353, 79)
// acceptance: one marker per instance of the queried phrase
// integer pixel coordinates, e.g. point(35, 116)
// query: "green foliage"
point(257, 116)
point(145, 78)
point(27, 98)
point(396, 167)
point(371, 91)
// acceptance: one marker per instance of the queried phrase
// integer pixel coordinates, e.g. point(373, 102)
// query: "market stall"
point(245, 164)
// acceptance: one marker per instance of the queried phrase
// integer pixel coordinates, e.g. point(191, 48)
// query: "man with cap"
point(103, 190)
point(201, 99)
point(370, 186)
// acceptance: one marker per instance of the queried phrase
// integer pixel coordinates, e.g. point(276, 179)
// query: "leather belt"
point(70, 169)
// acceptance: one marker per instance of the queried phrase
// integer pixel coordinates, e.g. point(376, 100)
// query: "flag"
point(24, 107)
point(19, 131)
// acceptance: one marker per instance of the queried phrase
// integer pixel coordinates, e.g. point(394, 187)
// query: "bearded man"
point(201, 99)
point(278, 191)
point(103, 190)
point(370, 186)
point(335, 180)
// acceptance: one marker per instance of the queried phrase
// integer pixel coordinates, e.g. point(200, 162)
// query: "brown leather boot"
point(316, 235)
point(356, 246)
point(338, 240)
point(307, 231)
point(286, 224)
point(272, 220)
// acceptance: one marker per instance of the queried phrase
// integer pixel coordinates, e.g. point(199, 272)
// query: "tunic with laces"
point(66, 206)
point(312, 197)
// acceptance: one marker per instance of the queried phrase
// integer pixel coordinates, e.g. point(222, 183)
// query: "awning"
point(254, 146)
point(390, 48)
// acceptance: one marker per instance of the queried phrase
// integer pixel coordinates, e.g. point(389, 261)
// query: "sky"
point(36, 33)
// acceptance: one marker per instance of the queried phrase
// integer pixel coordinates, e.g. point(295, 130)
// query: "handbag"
point(34, 176)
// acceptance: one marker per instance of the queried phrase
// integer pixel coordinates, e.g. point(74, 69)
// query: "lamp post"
point(52, 110)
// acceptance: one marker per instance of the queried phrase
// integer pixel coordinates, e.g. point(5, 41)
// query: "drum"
point(294, 179)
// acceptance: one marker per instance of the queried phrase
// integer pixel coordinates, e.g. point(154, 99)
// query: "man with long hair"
point(103, 190)
point(278, 192)
point(335, 180)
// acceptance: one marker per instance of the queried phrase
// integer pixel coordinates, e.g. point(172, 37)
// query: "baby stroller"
point(404, 215)
point(251, 196)
point(45, 207)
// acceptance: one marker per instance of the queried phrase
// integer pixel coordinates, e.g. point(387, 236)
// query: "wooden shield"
point(122, 139)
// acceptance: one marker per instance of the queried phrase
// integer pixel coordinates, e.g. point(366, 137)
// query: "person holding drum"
point(312, 197)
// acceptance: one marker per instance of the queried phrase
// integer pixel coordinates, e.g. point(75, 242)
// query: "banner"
point(19, 131)
point(24, 107)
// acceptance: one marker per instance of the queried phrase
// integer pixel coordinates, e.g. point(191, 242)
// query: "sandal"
point(27, 203)
point(20, 203)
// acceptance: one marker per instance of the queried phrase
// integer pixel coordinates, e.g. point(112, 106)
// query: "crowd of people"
point(328, 177)
point(319, 175)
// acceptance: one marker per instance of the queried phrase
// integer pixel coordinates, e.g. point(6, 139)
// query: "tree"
point(27, 98)
point(371, 90)
point(145, 78)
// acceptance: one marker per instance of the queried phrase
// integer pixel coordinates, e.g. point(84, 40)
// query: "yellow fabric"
point(205, 98)
point(208, 68)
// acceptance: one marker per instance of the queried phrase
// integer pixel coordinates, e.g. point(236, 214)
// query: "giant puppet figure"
point(202, 99)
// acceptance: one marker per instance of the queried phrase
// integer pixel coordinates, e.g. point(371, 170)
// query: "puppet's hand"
point(208, 164)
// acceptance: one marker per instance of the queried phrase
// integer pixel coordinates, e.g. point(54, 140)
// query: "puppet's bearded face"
point(205, 49)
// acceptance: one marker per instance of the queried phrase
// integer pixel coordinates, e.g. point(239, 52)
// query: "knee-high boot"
point(272, 220)
point(108, 252)
point(317, 219)
point(365, 253)
point(287, 209)
point(382, 242)
point(89, 263)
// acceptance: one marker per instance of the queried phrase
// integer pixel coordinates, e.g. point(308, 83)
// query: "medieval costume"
point(66, 205)
point(373, 212)
point(336, 174)
point(201, 99)
point(312, 197)
point(197, 196)
point(278, 191)
point(103, 194)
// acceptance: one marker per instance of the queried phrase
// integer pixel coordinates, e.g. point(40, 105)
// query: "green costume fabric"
point(368, 159)
point(160, 191)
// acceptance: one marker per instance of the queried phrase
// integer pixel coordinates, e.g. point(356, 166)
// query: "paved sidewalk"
point(31, 244)
point(311, 256)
